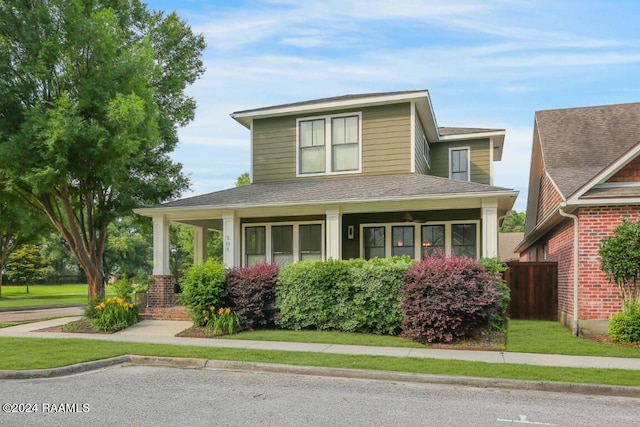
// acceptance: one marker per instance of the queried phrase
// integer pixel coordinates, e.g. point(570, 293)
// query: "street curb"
point(64, 370)
point(558, 387)
point(360, 374)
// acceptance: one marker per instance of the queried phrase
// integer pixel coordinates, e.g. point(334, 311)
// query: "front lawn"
point(43, 296)
point(39, 353)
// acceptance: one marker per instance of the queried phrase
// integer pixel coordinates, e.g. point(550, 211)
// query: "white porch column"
point(199, 245)
point(333, 230)
point(161, 246)
point(231, 236)
point(489, 228)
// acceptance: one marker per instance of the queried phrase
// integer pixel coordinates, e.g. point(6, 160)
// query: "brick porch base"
point(176, 312)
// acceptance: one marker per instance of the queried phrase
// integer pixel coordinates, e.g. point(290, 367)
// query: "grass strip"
point(549, 337)
point(325, 337)
point(39, 353)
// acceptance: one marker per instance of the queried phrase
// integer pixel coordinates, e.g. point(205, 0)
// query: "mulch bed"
point(80, 326)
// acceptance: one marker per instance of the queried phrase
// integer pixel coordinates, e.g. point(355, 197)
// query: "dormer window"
point(341, 134)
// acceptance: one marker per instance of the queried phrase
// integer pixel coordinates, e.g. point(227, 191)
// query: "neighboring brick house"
point(584, 178)
point(352, 176)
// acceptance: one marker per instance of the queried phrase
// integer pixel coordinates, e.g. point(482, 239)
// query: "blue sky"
point(489, 63)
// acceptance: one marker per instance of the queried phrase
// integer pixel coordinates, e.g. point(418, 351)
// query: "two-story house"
point(352, 176)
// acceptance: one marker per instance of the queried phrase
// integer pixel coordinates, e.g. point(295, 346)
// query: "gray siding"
point(480, 159)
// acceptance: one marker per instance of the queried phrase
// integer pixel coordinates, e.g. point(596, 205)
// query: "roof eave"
point(501, 194)
point(245, 117)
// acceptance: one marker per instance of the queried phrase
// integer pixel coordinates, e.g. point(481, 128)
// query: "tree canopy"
point(91, 95)
point(513, 222)
point(620, 260)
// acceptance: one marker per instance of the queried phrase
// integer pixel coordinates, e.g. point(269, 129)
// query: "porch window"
point(312, 146)
point(433, 239)
point(374, 242)
point(255, 244)
point(403, 241)
point(459, 163)
point(282, 244)
point(310, 242)
point(329, 144)
point(464, 240)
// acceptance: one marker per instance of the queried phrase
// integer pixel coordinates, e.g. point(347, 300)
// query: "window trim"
point(468, 149)
point(426, 151)
point(417, 240)
point(328, 144)
point(269, 241)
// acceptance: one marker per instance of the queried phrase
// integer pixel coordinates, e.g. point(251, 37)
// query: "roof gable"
point(577, 144)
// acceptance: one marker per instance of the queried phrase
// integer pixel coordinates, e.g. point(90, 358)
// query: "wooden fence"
point(534, 290)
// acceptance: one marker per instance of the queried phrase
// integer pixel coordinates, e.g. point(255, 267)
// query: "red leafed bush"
point(446, 298)
point(250, 292)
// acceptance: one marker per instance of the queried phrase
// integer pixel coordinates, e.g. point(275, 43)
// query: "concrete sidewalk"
point(164, 331)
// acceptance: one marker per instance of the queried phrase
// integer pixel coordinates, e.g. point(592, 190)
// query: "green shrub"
point(122, 288)
point(495, 267)
point(353, 296)
point(202, 287)
point(115, 314)
point(624, 326)
point(376, 305)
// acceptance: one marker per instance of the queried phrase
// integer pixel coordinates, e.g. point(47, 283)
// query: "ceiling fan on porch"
point(407, 217)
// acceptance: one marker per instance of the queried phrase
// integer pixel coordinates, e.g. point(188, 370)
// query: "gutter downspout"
point(576, 253)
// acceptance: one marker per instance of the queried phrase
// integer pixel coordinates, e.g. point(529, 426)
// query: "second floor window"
point(329, 144)
point(459, 164)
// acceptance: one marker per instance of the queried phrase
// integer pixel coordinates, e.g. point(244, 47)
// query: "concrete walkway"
point(164, 331)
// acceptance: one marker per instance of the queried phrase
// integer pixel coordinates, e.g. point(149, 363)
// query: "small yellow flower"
point(204, 311)
point(227, 310)
point(130, 305)
point(212, 308)
point(221, 311)
point(119, 300)
point(206, 319)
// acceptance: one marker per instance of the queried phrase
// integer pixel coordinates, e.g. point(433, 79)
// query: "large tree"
point(91, 95)
point(19, 225)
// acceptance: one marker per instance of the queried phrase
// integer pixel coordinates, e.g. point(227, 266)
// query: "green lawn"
point(38, 353)
point(43, 296)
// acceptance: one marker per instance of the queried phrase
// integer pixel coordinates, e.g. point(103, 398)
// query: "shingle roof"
point(337, 189)
point(578, 143)
point(329, 100)
point(448, 131)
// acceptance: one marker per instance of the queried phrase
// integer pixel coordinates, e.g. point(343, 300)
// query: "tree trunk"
point(95, 285)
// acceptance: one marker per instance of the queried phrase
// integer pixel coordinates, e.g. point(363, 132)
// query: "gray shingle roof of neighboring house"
point(579, 143)
point(344, 189)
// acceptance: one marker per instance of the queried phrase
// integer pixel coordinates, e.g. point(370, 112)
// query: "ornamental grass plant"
point(222, 321)
point(115, 314)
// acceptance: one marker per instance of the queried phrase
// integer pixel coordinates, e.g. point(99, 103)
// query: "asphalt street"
point(155, 396)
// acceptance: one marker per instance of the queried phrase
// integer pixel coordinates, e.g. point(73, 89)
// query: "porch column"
point(489, 228)
point(161, 292)
point(231, 236)
point(199, 245)
point(161, 246)
point(333, 231)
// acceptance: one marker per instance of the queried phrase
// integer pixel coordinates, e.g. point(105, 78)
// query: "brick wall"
point(599, 298)
point(560, 249)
